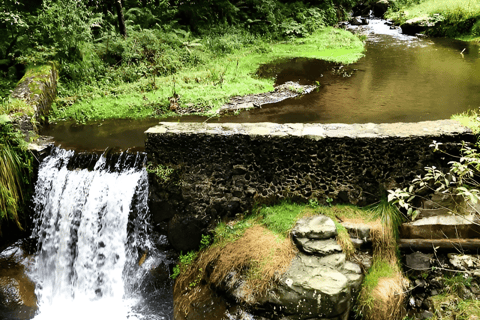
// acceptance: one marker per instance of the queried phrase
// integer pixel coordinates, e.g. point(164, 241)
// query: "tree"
point(121, 19)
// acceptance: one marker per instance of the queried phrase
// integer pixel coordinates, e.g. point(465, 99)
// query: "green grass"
point(209, 84)
point(282, 217)
point(380, 269)
point(456, 17)
point(469, 119)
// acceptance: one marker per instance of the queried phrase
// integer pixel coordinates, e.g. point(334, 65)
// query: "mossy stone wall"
point(38, 88)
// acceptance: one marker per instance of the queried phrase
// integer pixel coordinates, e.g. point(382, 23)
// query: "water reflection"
point(401, 78)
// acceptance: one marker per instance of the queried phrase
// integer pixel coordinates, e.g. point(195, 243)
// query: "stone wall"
point(38, 89)
point(201, 173)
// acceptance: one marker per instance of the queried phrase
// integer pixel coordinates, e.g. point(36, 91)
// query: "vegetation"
point(459, 182)
point(126, 62)
point(455, 19)
point(15, 173)
point(469, 119)
point(449, 304)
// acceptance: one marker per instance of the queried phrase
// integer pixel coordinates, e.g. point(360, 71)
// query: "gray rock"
point(317, 287)
point(316, 227)
point(318, 247)
point(418, 261)
point(464, 261)
point(357, 230)
point(357, 243)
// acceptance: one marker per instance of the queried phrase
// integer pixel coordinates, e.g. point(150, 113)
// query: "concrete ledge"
point(316, 131)
point(220, 170)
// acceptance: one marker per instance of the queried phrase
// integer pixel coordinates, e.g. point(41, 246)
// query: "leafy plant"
point(161, 171)
point(184, 261)
point(459, 180)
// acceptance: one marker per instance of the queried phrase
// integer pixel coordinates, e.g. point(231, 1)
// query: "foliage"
point(161, 171)
point(15, 173)
point(184, 261)
point(461, 180)
point(455, 18)
point(469, 119)
point(12, 106)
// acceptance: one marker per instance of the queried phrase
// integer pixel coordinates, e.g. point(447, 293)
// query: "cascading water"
point(95, 259)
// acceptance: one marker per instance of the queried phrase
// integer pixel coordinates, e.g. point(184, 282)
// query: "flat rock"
point(316, 227)
point(441, 227)
point(357, 230)
point(318, 247)
point(418, 261)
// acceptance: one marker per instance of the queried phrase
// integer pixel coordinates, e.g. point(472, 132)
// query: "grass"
point(456, 17)
point(469, 119)
point(381, 295)
point(15, 172)
point(16, 107)
point(208, 85)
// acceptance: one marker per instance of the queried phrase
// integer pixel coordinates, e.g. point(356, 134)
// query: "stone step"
point(442, 227)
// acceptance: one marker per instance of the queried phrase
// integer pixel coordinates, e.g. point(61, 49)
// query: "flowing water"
point(95, 259)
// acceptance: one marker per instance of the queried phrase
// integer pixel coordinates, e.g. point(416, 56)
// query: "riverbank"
point(439, 18)
point(207, 86)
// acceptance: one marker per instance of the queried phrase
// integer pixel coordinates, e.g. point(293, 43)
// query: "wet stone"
point(319, 247)
point(316, 227)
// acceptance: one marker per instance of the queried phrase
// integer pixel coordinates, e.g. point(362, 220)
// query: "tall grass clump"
point(15, 171)
point(382, 295)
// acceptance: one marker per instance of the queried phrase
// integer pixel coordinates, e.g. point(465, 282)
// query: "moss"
point(17, 108)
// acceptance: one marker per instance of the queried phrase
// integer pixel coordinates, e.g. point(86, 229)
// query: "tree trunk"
point(121, 19)
point(440, 244)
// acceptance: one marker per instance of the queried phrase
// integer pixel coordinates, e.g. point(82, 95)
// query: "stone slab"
point(315, 131)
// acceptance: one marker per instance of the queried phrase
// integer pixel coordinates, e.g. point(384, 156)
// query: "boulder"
point(464, 261)
point(316, 227)
point(416, 25)
point(380, 7)
point(356, 21)
point(317, 287)
point(17, 291)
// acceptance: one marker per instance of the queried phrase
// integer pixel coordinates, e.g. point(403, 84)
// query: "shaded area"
point(117, 134)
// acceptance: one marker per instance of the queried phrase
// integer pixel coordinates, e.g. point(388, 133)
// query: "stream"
point(401, 79)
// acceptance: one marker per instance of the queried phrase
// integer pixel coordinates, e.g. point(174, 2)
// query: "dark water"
point(400, 79)
point(116, 134)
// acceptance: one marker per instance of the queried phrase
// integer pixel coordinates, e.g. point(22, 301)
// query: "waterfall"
point(94, 256)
